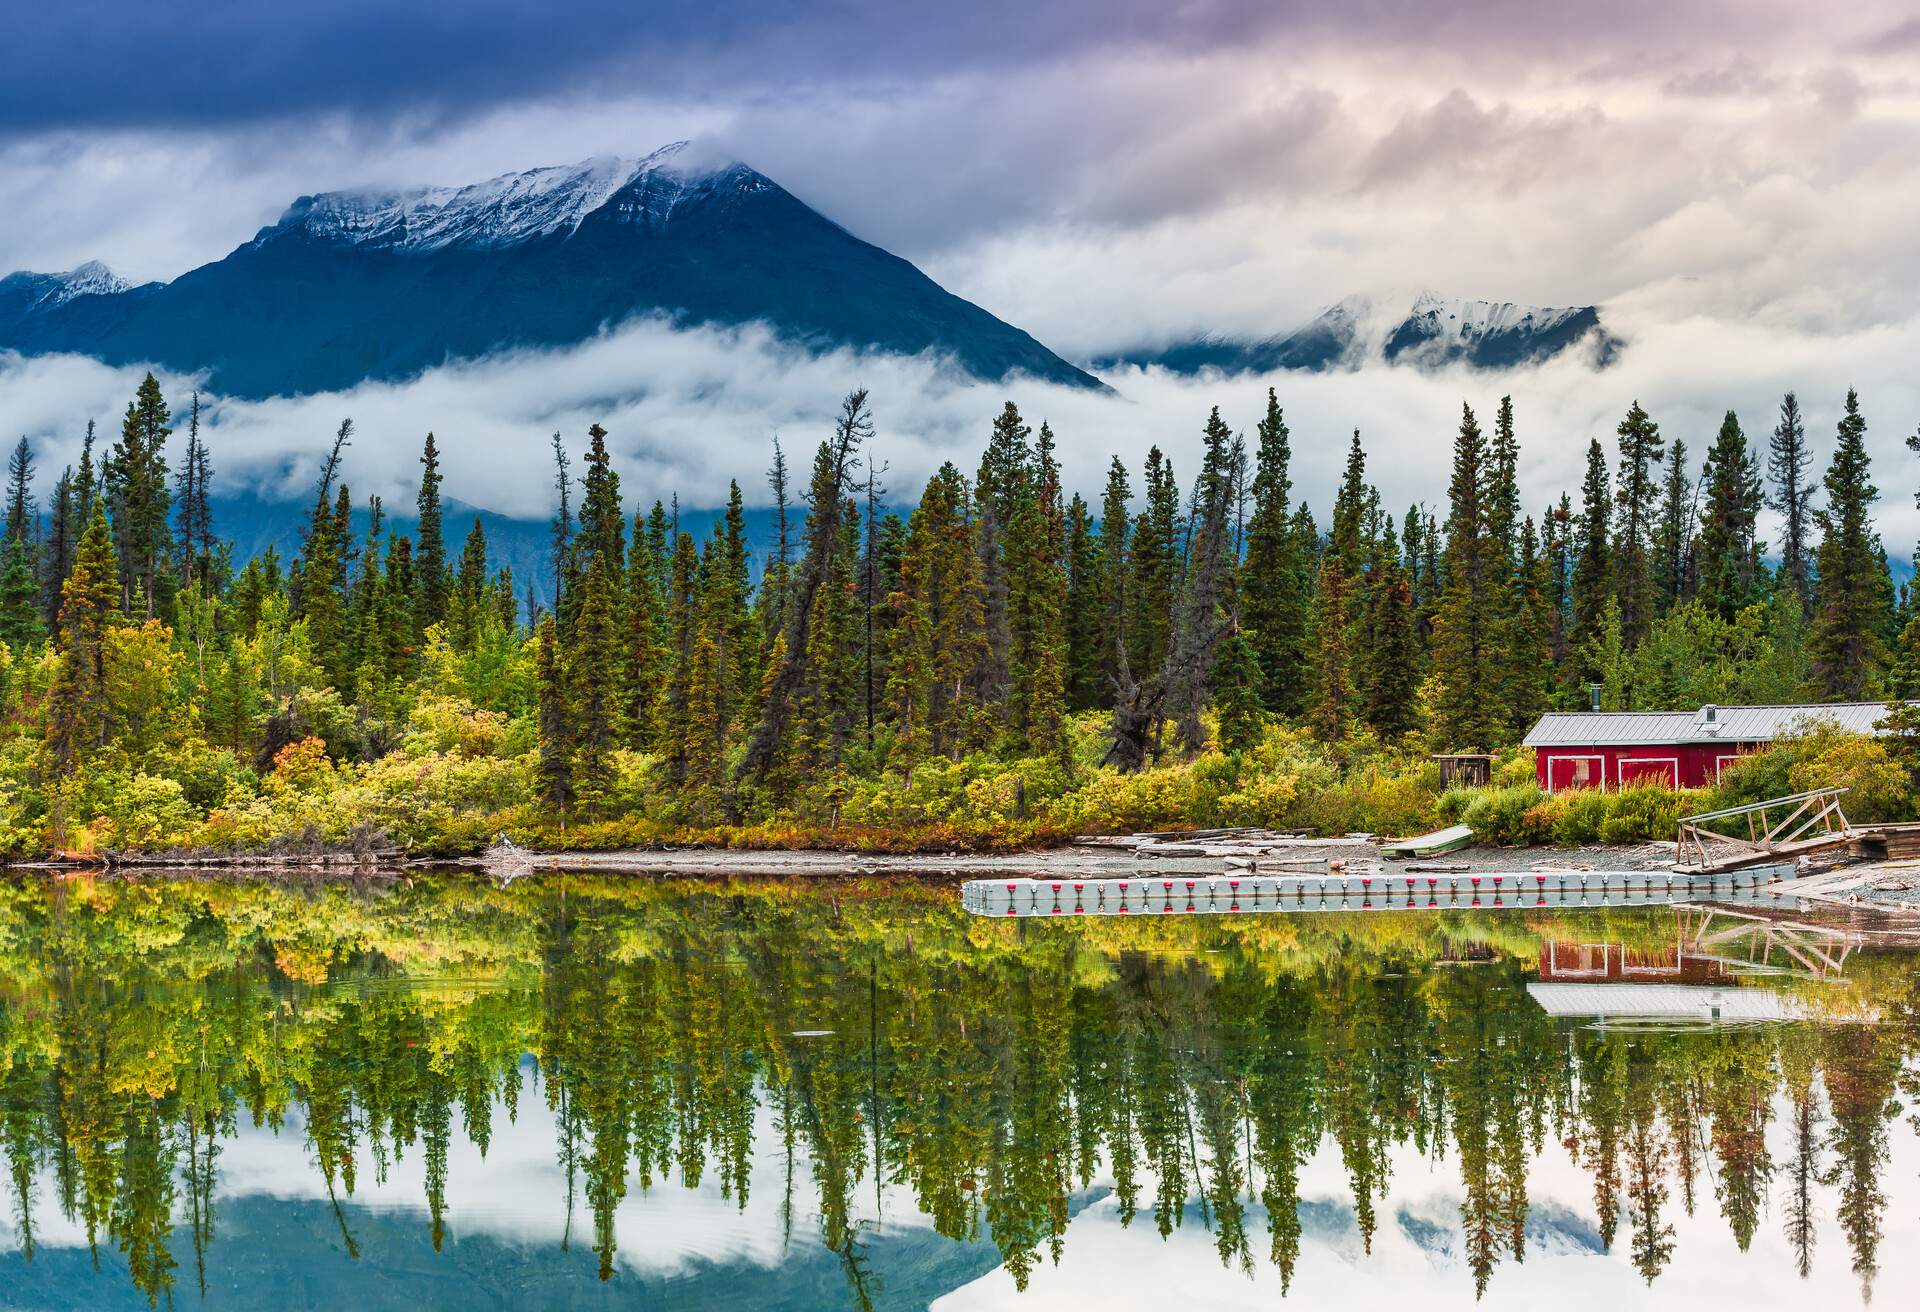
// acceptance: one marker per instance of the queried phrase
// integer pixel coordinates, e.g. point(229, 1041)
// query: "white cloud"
point(687, 411)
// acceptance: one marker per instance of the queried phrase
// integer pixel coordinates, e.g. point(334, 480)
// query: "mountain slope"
point(1431, 333)
point(354, 286)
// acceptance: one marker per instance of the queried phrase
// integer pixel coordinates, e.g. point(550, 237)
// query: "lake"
point(595, 1091)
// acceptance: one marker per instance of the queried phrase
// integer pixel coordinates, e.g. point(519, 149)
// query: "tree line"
point(1185, 615)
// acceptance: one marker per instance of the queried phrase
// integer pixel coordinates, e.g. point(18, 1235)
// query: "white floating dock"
point(1231, 894)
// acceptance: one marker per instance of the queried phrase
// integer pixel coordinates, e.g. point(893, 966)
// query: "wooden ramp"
point(1800, 824)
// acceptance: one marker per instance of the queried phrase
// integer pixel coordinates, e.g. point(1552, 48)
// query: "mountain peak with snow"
point(384, 284)
point(1424, 329)
point(499, 212)
point(43, 291)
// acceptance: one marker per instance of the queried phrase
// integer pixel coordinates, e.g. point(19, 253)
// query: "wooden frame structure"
point(1813, 822)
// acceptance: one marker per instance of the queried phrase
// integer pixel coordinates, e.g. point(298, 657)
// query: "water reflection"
point(830, 1095)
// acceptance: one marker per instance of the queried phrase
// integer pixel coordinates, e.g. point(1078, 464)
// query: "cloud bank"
point(690, 410)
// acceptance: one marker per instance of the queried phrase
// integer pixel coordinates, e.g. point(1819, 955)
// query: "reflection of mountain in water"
point(195, 1070)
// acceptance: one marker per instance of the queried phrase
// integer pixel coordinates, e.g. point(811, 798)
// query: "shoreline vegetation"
point(1003, 668)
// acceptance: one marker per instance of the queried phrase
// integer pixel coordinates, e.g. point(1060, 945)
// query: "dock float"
point(1355, 891)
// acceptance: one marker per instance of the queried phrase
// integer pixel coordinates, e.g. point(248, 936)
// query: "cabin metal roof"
point(1709, 724)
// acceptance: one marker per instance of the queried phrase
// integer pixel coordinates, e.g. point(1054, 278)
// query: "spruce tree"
point(77, 701)
point(1085, 666)
point(1850, 611)
point(1331, 713)
point(140, 503)
point(466, 608)
point(1641, 450)
point(22, 513)
point(1673, 542)
point(1789, 469)
point(432, 580)
point(1531, 635)
point(1114, 572)
point(1005, 472)
point(1274, 607)
point(791, 673)
point(938, 632)
point(193, 539)
point(1466, 657)
point(321, 596)
point(1557, 526)
point(1503, 491)
point(602, 522)
point(1208, 608)
point(1036, 596)
point(1729, 563)
point(644, 652)
point(1153, 568)
point(562, 529)
point(1389, 656)
point(63, 538)
point(20, 623)
point(682, 626)
point(594, 729)
point(1591, 586)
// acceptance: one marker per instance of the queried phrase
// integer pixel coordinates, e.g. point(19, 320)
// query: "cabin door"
point(1576, 772)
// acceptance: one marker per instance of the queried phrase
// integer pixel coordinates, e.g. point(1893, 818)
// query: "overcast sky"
point(1735, 183)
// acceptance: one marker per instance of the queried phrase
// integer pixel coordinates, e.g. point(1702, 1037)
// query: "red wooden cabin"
point(1679, 749)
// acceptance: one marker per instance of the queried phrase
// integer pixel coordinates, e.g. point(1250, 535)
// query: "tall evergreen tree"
point(1557, 529)
point(194, 540)
point(1153, 558)
point(1729, 565)
point(1390, 656)
point(140, 502)
point(20, 623)
point(1531, 635)
point(467, 608)
point(562, 520)
point(64, 527)
point(1591, 586)
point(1036, 585)
point(1673, 544)
point(1790, 468)
point(602, 522)
point(1466, 659)
point(1115, 573)
point(1005, 471)
point(430, 574)
point(790, 675)
point(1275, 609)
point(22, 512)
point(594, 728)
point(938, 634)
point(1850, 594)
point(1641, 449)
point(1085, 664)
point(78, 700)
point(1207, 605)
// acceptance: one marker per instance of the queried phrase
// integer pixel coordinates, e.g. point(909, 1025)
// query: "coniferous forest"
point(1005, 663)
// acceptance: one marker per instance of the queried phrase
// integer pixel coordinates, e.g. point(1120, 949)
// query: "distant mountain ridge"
point(1432, 332)
point(350, 286)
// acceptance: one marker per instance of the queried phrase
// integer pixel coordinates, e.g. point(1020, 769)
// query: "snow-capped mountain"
point(1427, 330)
point(500, 212)
point(348, 286)
point(26, 293)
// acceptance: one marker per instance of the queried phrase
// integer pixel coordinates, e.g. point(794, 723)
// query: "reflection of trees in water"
point(988, 1071)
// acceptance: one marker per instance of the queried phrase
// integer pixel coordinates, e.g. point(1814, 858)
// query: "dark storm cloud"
point(153, 63)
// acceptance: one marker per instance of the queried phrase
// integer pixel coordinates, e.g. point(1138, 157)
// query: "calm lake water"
point(589, 1091)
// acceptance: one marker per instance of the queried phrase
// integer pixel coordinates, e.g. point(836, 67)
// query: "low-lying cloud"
point(689, 410)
